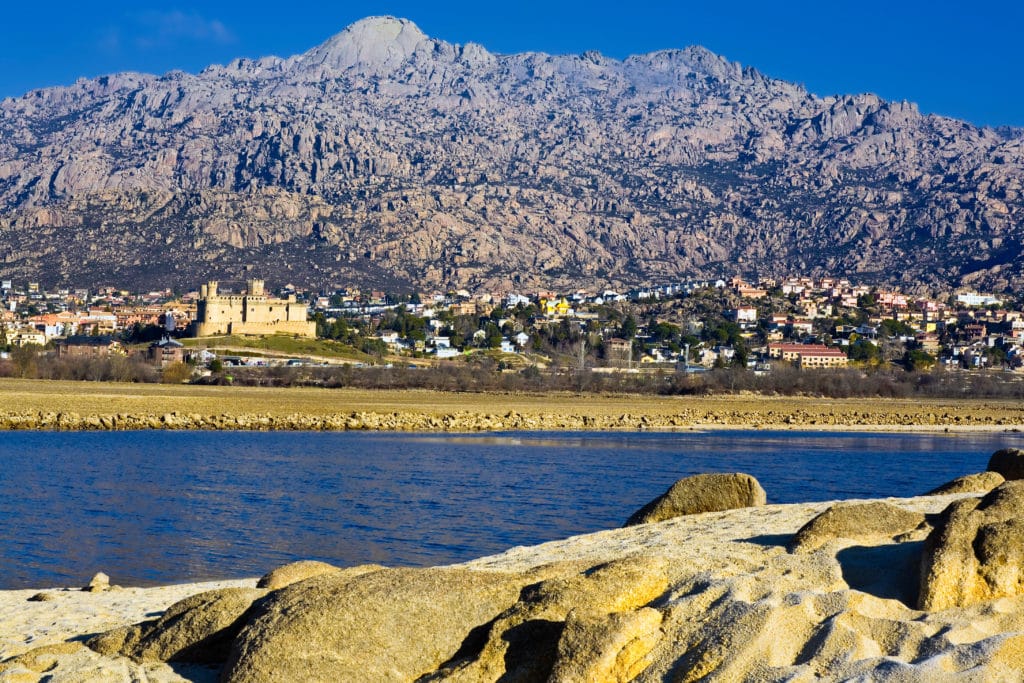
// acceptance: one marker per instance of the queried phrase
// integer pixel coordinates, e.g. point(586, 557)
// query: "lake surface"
point(160, 507)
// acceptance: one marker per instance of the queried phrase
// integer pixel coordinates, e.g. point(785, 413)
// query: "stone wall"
point(253, 313)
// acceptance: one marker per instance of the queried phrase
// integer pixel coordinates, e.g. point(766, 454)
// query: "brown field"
point(28, 404)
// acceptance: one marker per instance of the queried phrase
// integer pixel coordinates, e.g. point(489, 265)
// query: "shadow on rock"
point(885, 571)
point(768, 540)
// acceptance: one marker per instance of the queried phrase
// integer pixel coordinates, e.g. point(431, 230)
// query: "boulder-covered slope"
point(385, 156)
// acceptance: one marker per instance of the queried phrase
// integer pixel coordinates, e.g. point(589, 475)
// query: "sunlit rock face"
point(387, 156)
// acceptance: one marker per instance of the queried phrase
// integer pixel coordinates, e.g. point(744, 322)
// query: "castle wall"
point(254, 314)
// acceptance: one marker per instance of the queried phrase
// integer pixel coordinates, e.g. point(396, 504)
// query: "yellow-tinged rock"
point(611, 648)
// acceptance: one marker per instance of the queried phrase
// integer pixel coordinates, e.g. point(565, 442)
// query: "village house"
point(808, 355)
point(748, 292)
point(465, 308)
point(745, 316)
point(974, 299)
point(98, 321)
point(25, 336)
point(558, 308)
point(165, 352)
point(89, 346)
point(619, 352)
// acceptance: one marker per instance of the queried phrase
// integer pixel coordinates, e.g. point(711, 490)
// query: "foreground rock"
point(199, 629)
point(528, 642)
point(856, 522)
point(99, 582)
point(980, 482)
point(389, 625)
point(702, 493)
point(709, 597)
point(976, 552)
point(1008, 462)
point(307, 569)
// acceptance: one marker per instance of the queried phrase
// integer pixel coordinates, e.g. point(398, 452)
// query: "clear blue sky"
point(961, 59)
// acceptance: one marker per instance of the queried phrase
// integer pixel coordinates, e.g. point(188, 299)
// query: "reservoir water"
point(160, 507)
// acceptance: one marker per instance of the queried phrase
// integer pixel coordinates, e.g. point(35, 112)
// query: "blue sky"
point(954, 58)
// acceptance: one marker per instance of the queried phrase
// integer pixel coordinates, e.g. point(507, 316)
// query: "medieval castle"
point(251, 313)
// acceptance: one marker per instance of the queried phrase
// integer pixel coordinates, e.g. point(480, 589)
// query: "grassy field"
point(96, 398)
point(280, 346)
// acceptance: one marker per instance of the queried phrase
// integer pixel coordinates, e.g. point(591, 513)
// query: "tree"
point(916, 359)
point(863, 350)
point(867, 300)
point(741, 352)
point(140, 334)
point(176, 373)
point(582, 373)
point(996, 356)
point(897, 328)
point(628, 328)
point(374, 347)
point(25, 359)
point(664, 332)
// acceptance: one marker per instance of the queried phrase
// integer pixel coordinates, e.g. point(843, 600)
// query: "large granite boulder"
point(872, 521)
point(976, 551)
point(612, 648)
point(537, 637)
point(306, 569)
point(702, 493)
point(36, 663)
point(388, 625)
point(1008, 462)
point(198, 629)
point(979, 482)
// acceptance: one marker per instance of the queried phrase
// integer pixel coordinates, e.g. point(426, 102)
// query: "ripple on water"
point(159, 507)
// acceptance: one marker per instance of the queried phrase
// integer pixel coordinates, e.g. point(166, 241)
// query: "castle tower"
point(255, 287)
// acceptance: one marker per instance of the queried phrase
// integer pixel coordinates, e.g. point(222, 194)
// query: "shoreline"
point(96, 406)
point(48, 404)
point(708, 568)
point(71, 611)
point(459, 424)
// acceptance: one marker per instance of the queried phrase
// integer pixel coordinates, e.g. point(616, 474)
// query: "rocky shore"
point(473, 421)
point(57, 405)
point(705, 583)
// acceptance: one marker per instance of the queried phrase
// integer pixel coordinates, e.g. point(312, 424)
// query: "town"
point(689, 327)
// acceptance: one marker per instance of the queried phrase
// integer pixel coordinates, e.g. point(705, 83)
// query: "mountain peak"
point(382, 42)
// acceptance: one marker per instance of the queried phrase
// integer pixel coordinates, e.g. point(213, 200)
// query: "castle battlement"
point(251, 313)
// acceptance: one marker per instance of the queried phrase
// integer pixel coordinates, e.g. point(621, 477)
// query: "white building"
point(975, 299)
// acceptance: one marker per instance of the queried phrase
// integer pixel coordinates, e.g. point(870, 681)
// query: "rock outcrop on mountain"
point(385, 156)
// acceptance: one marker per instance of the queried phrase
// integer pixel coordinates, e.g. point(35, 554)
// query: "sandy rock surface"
point(979, 482)
point(976, 552)
point(712, 596)
point(70, 614)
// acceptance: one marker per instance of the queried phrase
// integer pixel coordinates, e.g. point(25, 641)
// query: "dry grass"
point(88, 398)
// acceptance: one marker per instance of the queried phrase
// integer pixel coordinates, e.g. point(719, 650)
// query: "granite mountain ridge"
point(388, 158)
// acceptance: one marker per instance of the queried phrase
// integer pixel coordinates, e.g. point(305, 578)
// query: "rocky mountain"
point(387, 157)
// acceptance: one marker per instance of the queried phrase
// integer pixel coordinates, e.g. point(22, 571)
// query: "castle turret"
point(252, 313)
